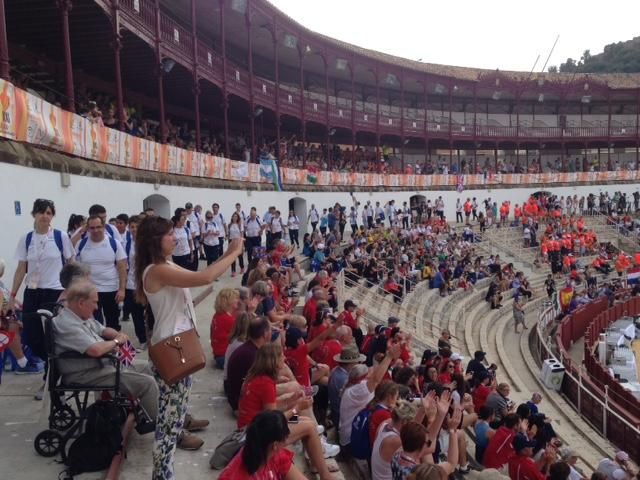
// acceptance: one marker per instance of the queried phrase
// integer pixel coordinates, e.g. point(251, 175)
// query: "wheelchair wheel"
point(62, 417)
point(48, 443)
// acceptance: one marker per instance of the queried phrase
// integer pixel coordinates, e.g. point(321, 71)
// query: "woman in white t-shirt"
point(41, 254)
point(277, 226)
point(210, 235)
point(165, 287)
point(235, 231)
point(293, 224)
point(183, 251)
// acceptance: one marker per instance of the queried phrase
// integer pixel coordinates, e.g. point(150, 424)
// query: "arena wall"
point(24, 184)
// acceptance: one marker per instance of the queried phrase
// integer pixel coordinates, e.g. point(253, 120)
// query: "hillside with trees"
point(621, 57)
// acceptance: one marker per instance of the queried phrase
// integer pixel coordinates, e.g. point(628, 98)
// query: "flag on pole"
point(312, 175)
point(269, 171)
point(126, 354)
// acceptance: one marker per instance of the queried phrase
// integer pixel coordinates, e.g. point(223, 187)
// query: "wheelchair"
point(68, 403)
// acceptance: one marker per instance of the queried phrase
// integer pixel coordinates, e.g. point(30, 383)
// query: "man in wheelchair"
point(75, 330)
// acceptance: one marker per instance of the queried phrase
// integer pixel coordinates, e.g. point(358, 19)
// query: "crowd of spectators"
point(101, 109)
point(297, 358)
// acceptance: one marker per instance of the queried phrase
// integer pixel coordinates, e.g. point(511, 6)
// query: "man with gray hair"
point(75, 330)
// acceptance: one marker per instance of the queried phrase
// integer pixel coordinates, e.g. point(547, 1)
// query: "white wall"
point(26, 184)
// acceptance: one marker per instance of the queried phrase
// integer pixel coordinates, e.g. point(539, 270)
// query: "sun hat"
point(349, 354)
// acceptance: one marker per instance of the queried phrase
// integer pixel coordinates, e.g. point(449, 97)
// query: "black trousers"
point(137, 314)
point(250, 243)
point(108, 312)
point(293, 237)
point(313, 226)
point(183, 261)
point(32, 331)
point(405, 223)
point(211, 253)
point(458, 217)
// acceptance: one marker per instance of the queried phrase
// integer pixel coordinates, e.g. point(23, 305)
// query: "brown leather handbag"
point(178, 356)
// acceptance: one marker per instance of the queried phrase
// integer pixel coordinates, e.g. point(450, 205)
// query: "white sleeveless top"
point(381, 470)
point(172, 309)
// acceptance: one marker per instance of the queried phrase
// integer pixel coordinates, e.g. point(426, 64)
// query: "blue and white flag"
point(269, 171)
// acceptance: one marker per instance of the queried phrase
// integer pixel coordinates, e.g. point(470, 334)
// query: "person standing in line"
point(193, 222)
point(459, 211)
point(222, 227)
point(293, 224)
point(276, 225)
point(41, 254)
point(164, 286)
point(210, 235)
point(107, 260)
point(406, 216)
point(130, 304)
point(353, 220)
point(253, 232)
point(235, 232)
point(183, 252)
point(313, 218)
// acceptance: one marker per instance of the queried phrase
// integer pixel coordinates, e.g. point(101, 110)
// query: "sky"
point(491, 34)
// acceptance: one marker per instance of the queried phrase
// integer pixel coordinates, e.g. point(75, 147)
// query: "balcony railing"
point(178, 41)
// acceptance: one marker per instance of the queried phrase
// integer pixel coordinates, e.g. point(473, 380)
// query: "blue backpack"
point(360, 444)
point(112, 242)
point(57, 237)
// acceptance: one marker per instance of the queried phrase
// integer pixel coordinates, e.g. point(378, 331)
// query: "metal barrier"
point(593, 400)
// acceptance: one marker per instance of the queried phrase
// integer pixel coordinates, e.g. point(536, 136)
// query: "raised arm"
point(167, 275)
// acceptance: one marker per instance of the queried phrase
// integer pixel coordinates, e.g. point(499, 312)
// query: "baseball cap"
point(521, 441)
point(479, 355)
point(456, 356)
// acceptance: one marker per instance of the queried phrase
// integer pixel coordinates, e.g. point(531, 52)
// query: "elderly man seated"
point(75, 330)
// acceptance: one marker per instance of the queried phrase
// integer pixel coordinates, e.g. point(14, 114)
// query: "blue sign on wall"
point(17, 207)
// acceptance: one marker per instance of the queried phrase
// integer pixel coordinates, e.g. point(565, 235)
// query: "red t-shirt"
point(375, 420)
point(523, 468)
point(348, 320)
point(255, 394)
point(310, 310)
point(221, 326)
point(480, 394)
point(276, 468)
point(325, 352)
point(499, 451)
point(317, 330)
point(299, 363)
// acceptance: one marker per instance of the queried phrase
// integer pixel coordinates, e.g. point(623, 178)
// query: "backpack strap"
point(82, 244)
point(57, 237)
point(127, 244)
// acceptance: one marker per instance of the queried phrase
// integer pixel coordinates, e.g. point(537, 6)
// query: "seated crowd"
point(289, 375)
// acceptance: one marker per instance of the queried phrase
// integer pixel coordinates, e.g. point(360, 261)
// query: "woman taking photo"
point(259, 394)
point(263, 454)
point(165, 287)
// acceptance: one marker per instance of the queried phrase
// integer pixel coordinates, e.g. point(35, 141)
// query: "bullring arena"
point(449, 219)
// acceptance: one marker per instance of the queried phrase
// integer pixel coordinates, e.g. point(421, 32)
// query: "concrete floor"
point(22, 418)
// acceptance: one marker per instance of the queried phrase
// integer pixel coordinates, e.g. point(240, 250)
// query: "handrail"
point(403, 311)
point(545, 350)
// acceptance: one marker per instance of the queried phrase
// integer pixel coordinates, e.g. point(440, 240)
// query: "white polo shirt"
point(194, 224)
point(293, 223)
point(219, 219)
point(314, 217)
point(101, 259)
point(44, 259)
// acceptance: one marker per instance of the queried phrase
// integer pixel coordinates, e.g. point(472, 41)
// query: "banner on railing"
point(28, 118)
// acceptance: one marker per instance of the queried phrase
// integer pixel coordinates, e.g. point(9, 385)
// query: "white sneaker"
point(320, 429)
point(329, 450)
